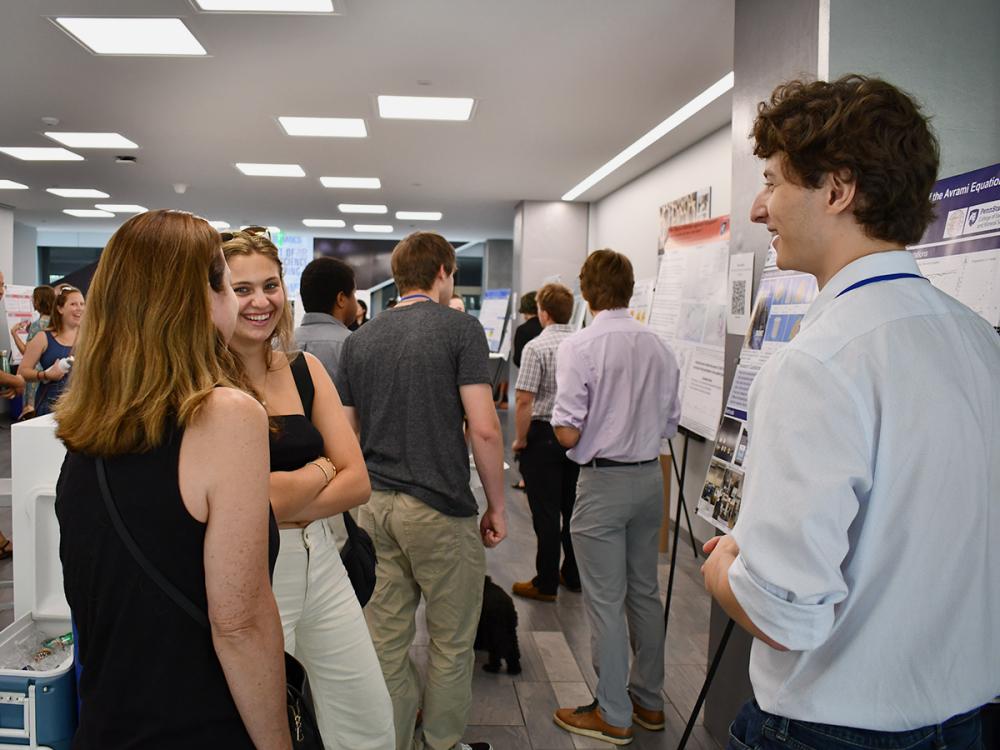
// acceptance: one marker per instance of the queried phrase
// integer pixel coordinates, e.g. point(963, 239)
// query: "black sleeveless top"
point(297, 441)
point(150, 677)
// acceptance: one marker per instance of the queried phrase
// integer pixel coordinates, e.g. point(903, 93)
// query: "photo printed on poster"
point(695, 206)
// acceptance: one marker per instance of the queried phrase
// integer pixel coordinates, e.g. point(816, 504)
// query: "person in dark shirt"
point(529, 329)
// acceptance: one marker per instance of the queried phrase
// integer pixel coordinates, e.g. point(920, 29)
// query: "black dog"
point(497, 631)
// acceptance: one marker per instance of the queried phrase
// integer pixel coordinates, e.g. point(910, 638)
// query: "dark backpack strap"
point(303, 383)
point(175, 594)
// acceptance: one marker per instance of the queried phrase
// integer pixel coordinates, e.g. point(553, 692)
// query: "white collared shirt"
point(870, 529)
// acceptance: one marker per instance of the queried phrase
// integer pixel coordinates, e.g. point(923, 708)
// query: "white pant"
point(326, 631)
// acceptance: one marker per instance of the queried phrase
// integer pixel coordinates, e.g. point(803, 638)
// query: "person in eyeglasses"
point(54, 351)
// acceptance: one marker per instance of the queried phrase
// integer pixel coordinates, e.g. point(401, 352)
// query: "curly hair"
point(866, 128)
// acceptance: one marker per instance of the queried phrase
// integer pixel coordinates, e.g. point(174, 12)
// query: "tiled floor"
point(515, 713)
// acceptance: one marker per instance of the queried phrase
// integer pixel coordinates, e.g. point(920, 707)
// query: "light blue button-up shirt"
point(616, 382)
point(323, 336)
point(870, 529)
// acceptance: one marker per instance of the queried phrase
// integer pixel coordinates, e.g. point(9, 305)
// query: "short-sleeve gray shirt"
point(402, 371)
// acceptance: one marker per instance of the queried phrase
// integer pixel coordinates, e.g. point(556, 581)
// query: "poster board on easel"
point(494, 315)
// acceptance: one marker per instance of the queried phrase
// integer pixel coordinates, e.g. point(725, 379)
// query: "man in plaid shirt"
point(549, 477)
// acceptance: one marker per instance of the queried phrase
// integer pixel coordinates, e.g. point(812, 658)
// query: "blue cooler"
point(37, 709)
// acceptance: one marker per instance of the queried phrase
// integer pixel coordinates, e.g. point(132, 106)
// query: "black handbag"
point(301, 715)
point(358, 556)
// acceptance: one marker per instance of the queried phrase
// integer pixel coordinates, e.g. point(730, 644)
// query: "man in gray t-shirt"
point(407, 378)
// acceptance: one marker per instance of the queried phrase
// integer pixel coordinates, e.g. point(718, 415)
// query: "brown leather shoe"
point(587, 721)
point(654, 721)
point(528, 591)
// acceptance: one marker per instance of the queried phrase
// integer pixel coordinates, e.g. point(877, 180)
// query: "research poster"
point(295, 252)
point(493, 315)
point(960, 251)
point(641, 303)
point(695, 206)
point(783, 298)
point(20, 313)
point(689, 313)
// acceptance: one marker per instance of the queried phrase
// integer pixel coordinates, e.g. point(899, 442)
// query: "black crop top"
point(297, 441)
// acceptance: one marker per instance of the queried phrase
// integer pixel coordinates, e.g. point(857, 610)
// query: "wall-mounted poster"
point(689, 312)
point(783, 298)
point(695, 206)
point(20, 312)
point(960, 251)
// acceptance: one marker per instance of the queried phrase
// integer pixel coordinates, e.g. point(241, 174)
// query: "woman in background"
point(317, 472)
point(54, 350)
point(186, 461)
point(362, 316)
point(42, 299)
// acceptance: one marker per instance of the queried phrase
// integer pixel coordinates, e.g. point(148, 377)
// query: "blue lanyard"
point(414, 296)
point(877, 279)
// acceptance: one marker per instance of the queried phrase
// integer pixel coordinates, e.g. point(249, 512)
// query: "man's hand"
point(493, 528)
point(721, 551)
point(518, 445)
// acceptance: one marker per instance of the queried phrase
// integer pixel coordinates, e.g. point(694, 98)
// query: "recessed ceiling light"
point(324, 222)
point(219, 224)
point(362, 208)
point(424, 108)
point(48, 153)
point(88, 213)
point(329, 127)
point(360, 183)
point(266, 6)
point(11, 185)
point(77, 192)
point(372, 227)
point(274, 230)
point(419, 215)
point(92, 140)
point(122, 208)
point(133, 36)
point(694, 106)
point(271, 170)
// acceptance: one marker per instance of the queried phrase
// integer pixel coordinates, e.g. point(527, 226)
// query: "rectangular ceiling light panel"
point(271, 170)
point(41, 154)
point(133, 36)
point(324, 127)
point(419, 215)
point(361, 208)
point(357, 183)
point(121, 208)
point(424, 108)
point(219, 224)
point(88, 213)
point(77, 193)
point(92, 140)
point(335, 223)
point(381, 228)
point(266, 6)
point(11, 185)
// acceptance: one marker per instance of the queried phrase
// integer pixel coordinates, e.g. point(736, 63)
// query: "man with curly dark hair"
point(863, 560)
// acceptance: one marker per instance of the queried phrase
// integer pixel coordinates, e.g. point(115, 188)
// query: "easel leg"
point(677, 531)
point(716, 660)
point(681, 474)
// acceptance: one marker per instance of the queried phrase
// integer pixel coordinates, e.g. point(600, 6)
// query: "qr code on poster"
point(738, 304)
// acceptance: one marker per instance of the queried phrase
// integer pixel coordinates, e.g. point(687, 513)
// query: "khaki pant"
point(423, 551)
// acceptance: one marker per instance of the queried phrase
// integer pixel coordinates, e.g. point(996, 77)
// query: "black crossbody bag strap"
point(157, 577)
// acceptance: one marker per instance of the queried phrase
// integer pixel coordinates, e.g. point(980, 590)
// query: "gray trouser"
point(616, 531)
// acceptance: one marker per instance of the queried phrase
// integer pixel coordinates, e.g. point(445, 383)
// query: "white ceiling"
point(561, 87)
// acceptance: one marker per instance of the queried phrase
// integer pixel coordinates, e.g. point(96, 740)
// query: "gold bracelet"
point(326, 475)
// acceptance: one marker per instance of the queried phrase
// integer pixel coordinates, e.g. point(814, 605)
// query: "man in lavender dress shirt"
point(616, 400)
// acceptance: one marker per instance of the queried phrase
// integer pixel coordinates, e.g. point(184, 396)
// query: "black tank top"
point(150, 677)
point(297, 441)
